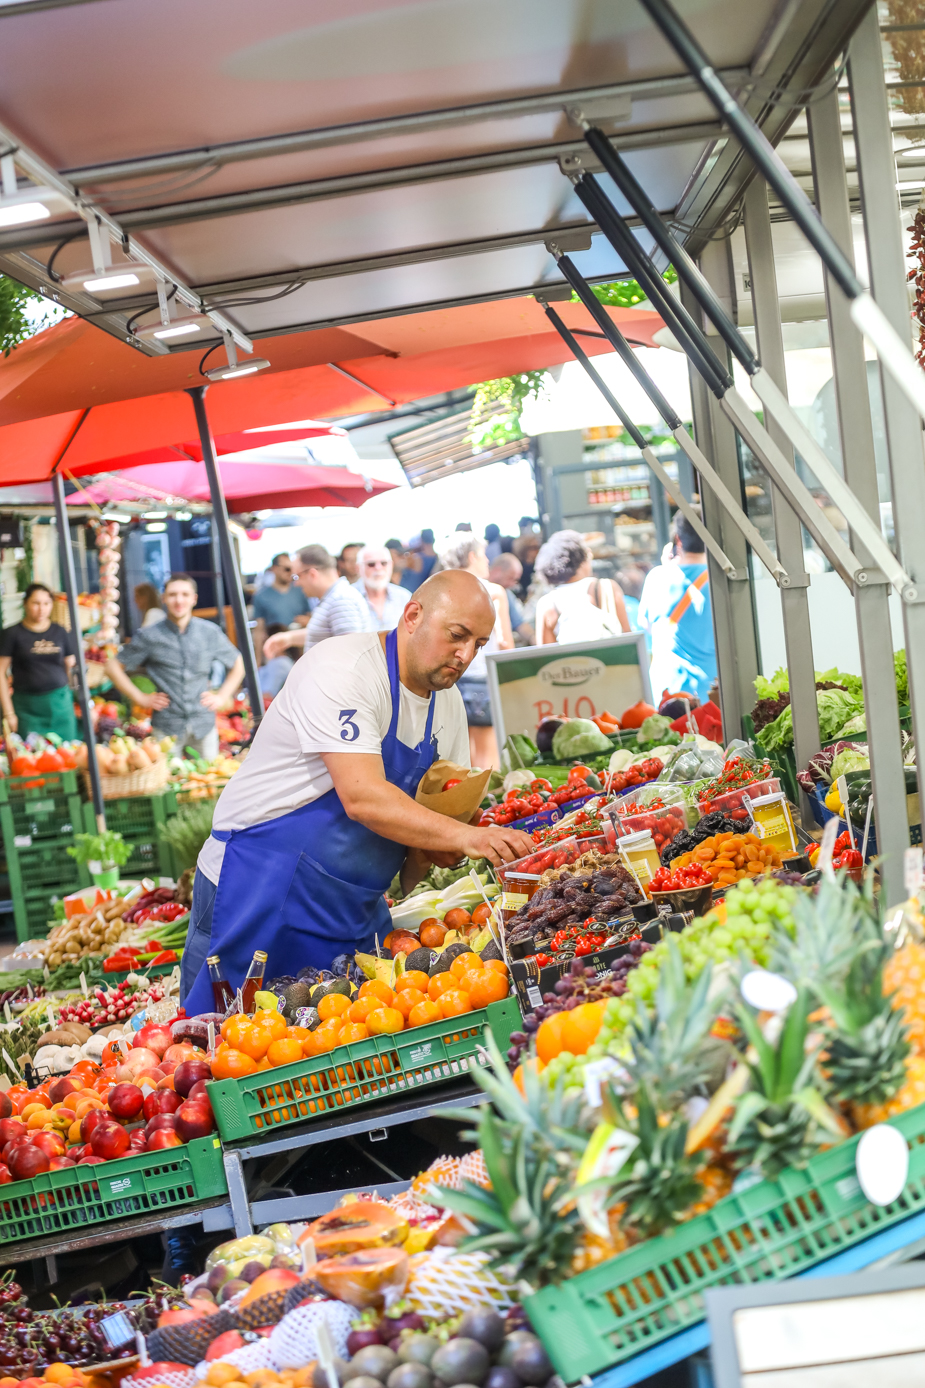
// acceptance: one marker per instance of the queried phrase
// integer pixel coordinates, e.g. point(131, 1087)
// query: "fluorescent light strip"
point(110, 282)
point(181, 330)
point(22, 212)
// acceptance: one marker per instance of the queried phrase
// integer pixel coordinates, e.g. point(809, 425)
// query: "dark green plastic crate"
point(47, 806)
point(82, 1196)
point(34, 914)
point(359, 1073)
point(135, 816)
point(771, 1231)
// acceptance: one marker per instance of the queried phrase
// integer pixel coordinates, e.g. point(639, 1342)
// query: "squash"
point(118, 766)
point(137, 759)
point(361, 1224)
point(105, 758)
point(362, 1279)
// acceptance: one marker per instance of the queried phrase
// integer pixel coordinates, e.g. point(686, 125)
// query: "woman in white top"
point(466, 551)
point(579, 607)
point(148, 604)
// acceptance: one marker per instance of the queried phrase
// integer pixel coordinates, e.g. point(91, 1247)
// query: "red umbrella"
point(247, 486)
point(239, 442)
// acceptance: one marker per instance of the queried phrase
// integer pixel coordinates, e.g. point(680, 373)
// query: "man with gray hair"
point(386, 600)
point(342, 609)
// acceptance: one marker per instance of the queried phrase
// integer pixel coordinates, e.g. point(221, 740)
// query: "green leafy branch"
point(15, 323)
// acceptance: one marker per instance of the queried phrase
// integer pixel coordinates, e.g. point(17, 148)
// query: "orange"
point(333, 1005)
point(425, 1012)
point(263, 1064)
point(498, 966)
point(463, 963)
point(490, 987)
point(439, 984)
point(233, 1029)
point(361, 1008)
point(374, 987)
point(298, 1033)
point(581, 1025)
point(549, 1037)
point(467, 981)
point(284, 1050)
point(59, 1373)
point(408, 998)
point(273, 1022)
point(454, 1002)
point(254, 1042)
point(231, 1064)
point(353, 1031)
point(413, 978)
point(327, 1035)
point(384, 1021)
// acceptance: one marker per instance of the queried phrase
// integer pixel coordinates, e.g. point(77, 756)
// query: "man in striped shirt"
point(342, 608)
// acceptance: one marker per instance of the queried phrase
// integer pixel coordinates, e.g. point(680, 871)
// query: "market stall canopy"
point(241, 442)
point(251, 486)
point(75, 398)
point(285, 167)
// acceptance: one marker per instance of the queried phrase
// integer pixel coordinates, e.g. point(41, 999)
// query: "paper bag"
point(459, 802)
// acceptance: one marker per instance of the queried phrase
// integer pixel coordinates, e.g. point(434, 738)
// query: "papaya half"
point(350, 1228)
point(363, 1278)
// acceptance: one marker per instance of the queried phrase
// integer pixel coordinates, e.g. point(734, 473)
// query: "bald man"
point(313, 828)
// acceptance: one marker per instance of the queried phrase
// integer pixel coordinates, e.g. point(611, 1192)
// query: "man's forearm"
point(123, 682)
point(232, 681)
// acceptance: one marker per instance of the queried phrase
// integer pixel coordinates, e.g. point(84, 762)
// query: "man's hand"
point(497, 843)
point(211, 699)
point(157, 700)
point(276, 645)
point(445, 859)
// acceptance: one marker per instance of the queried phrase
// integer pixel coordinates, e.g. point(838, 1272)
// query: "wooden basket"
point(147, 782)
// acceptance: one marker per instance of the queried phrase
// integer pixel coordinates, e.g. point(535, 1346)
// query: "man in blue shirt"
point(386, 600)
point(675, 608)
point(279, 603)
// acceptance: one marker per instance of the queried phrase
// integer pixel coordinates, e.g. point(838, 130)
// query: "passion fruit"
point(375, 1361)
point(410, 1375)
point(418, 1349)
point(461, 1360)
point(483, 1325)
point(530, 1363)
point(320, 1378)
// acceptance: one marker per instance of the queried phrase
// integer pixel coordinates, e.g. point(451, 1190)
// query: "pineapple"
point(904, 979)
point(781, 1120)
point(526, 1221)
point(659, 1183)
point(910, 1095)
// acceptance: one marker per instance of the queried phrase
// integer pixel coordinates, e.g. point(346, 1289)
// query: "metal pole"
point(218, 587)
point(83, 689)
point(231, 573)
point(798, 639)
point(737, 658)
point(882, 225)
point(892, 345)
point(872, 608)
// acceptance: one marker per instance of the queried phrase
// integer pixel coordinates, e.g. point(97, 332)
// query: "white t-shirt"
point(336, 699)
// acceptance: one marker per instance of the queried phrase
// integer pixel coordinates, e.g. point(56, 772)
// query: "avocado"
point(296, 995)
point(331, 985)
point(420, 960)
point(440, 965)
point(455, 950)
point(491, 951)
point(307, 1017)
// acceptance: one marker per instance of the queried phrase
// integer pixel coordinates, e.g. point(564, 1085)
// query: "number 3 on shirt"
point(349, 732)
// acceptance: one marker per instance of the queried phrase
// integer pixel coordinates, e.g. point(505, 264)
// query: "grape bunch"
point(105, 727)
point(581, 984)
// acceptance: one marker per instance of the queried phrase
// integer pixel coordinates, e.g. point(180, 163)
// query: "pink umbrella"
point(247, 486)
point(238, 442)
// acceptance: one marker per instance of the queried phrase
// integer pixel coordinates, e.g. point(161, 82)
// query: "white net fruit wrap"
point(170, 1380)
point(293, 1342)
point(443, 1283)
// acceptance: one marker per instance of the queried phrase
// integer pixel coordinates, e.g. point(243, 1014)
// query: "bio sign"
point(580, 681)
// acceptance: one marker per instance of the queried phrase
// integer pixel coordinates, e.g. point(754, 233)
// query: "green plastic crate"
point(44, 866)
point(40, 807)
point(360, 1073)
point(771, 1231)
point(34, 913)
point(135, 817)
point(78, 1196)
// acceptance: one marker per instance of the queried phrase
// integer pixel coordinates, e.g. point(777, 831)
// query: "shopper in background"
point(178, 655)
point(148, 604)
point(632, 577)
point(506, 571)
point(400, 559)
point(272, 674)
point(40, 655)
point(347, 562)
point(279, 603)
point(386, 600)
point(675, 608)
point(492, 541)
point(426, 554)
point(579, 607)
point(467, 552)
point(342, 609)
point(526, 548)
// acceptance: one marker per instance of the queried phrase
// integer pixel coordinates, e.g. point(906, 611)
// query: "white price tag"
point(842, 784)
point(824, 861)
point(6, 1012)
point(534, 996)
point(83, 985)
point(211, 1033)
point(912, 869)
point(596, 1071)
point(46, 973)
point(9, 1059)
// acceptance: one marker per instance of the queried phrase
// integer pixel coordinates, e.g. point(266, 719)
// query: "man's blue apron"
point(306, 907)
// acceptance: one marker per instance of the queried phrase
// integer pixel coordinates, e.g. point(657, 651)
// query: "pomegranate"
point(164, 1137)
point(161, 1101)
point(190, 1073)
point(109, 1140)
point(194, 1119)
point(154, 1037)
point(26, 1161)
point(126, 1101)
point(141, 1059)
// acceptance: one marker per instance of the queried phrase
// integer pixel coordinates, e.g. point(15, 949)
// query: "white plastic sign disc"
point(882, 1164)
point(768, 992)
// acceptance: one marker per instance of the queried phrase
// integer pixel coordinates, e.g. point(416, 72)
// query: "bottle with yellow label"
point(640, 855)
point(773, 822)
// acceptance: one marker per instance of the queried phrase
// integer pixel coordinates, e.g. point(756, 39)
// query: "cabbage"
point(620, 759)
point(849, 760)
point(521, 776)
point(653, 728)
point(579, 737)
